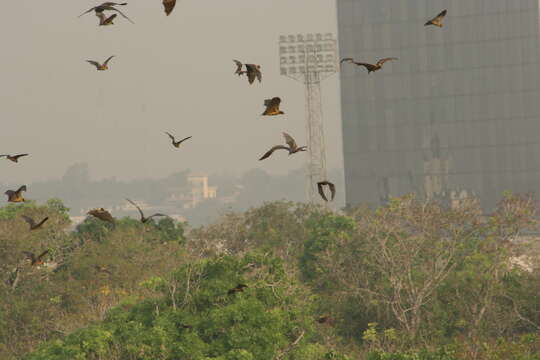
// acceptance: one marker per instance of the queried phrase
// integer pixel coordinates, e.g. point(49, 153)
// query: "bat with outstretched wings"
point(144, 219)
point(331, 186)
point(437, 20)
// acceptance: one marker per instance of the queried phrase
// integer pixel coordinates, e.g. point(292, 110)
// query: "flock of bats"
point(252, 72)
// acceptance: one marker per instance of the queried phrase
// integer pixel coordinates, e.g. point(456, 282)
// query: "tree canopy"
point(409, 280)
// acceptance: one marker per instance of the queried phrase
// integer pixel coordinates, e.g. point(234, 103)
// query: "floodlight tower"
point(309, 59)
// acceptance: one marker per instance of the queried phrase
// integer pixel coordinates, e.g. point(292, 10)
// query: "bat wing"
point(437, 19)
point(109, 59)
point(29, 255)
point(271, 151)
point(106, 216)
point(290, 141)
point(109, 20)
point(87, 11)
point(102, 214)
point(382, 61)
point(441, 15)
point(122, 14)
point(29, 220)
point(258, 73)
point(170, 135)
point(40, 256)
point(320, 187)
point(109, 3)
point(95, 63)
point(272, 105)
point(42, 221)
point(168, 6)
point(251, 75)
point(251, 71)
point(238, 66)
point(184, 139)
point(332, 190)
point(138, 208)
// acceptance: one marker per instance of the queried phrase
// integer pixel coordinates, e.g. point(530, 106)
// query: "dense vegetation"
point(410, 280)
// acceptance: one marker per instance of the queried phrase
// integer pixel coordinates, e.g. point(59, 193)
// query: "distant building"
point(200, 190)
point(458, 113)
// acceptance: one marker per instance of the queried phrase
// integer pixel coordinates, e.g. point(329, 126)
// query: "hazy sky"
point(170, 74)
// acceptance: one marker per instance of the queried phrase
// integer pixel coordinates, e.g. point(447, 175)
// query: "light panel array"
point(310, 53)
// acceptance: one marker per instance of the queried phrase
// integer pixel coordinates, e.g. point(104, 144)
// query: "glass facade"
point(457, 114)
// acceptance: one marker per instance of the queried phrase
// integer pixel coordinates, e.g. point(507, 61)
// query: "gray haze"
point(170, 74)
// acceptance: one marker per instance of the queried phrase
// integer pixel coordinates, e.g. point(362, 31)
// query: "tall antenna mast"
point(309, 59)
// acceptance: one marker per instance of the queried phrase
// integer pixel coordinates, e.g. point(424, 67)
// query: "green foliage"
point(170, 230)
point(93, 343)
point(12, 210)
point(526, 347)
point(163, 231)
point(83, 276)
point(429, 272)
point(279, 227)
point(56, 204)
point(317, 352)
point(202, 320)
point(94, 229)
point(326, 232)
point(422, 355)
point(411, 280)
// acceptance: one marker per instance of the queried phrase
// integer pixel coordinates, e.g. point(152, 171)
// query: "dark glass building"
point(457, 114)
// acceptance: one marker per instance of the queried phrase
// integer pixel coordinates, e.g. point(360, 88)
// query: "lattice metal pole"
point(316, 167)
point(310, 59)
